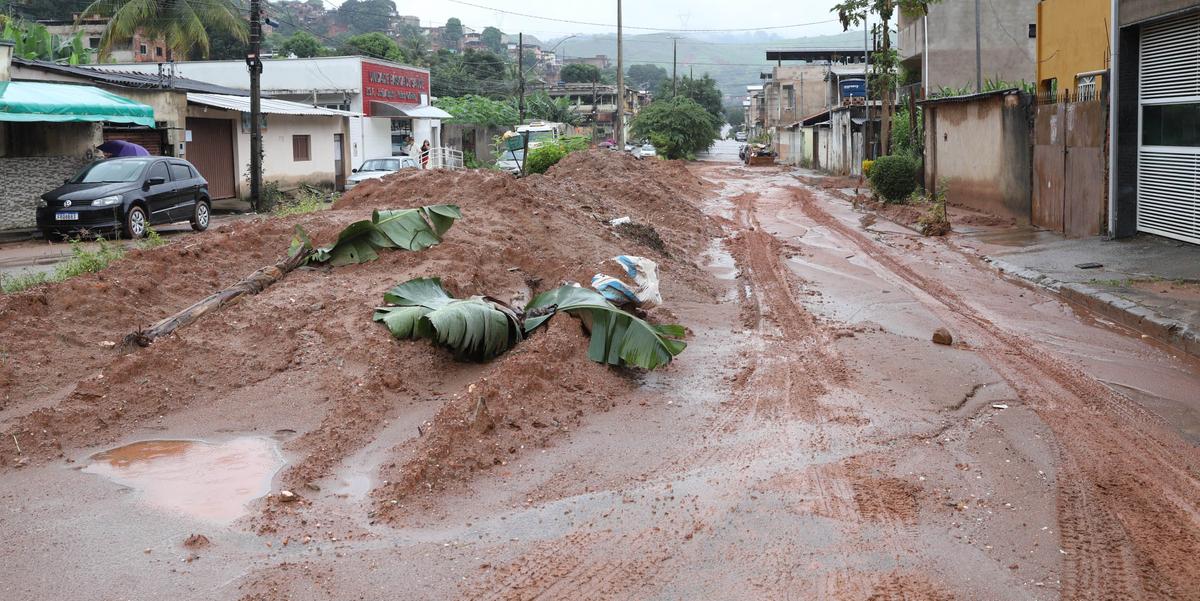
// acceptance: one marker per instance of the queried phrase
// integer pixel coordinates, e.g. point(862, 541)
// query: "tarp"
point(34, 101)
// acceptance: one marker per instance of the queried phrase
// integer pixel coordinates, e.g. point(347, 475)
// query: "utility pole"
point(620, 120)
point(868, 145)
point(674, 67)
point(254, 62)
point(978, 54)
point(520, 75)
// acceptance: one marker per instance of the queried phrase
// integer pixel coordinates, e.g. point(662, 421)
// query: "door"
point(211, 151)
point(160, 197)
point(1168, 163)
point(339, 171)
point(185, 187)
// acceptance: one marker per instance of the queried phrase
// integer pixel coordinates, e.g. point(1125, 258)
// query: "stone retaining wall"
point(24, 179)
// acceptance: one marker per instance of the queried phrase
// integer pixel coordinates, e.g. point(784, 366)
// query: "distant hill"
point(733, 65)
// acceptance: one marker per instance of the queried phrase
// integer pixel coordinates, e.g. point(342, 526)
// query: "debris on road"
point(942, 336)
point(642, 291)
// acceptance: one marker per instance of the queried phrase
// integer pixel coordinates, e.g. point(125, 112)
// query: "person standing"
point(425, 155)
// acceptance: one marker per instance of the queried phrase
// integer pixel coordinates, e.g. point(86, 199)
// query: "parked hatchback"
point(127, 195)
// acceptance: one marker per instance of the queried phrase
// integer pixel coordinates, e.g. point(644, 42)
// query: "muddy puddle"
point(206, 481)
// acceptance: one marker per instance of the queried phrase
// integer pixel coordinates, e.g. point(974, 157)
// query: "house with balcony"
point(596, 105)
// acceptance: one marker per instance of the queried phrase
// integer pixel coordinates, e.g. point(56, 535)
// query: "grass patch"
point(152, 240)
point(308, 201)
point(1114, 283)
point(82, 261)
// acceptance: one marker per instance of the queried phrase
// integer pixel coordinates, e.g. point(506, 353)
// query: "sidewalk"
point(1147, 283)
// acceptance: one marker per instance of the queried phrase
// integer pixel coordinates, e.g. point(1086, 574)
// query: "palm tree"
point(182, 24)
point(416, 50)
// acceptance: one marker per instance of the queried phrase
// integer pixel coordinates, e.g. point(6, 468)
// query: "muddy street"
point(812, 442)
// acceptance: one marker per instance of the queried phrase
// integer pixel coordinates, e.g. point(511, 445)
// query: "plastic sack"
point(637, 284)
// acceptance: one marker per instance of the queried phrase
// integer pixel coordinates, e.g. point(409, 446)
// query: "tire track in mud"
point(1128, 489)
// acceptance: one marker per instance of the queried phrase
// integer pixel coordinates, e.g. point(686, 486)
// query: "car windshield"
point(540, 136)
point(110, 172)
point(381, 165)
point(512, 155)
point(647, 147)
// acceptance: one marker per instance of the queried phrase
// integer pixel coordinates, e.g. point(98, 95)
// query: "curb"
point(1172, 332)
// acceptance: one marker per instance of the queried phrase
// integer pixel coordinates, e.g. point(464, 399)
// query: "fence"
point(1069, 170)
point(441, 158)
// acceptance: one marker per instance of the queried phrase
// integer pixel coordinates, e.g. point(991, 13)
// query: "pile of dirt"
point(304, 354)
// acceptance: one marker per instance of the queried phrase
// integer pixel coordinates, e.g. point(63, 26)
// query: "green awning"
point(33, 101)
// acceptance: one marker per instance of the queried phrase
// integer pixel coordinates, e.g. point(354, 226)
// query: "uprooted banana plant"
point(481, 327)
point(408, 229)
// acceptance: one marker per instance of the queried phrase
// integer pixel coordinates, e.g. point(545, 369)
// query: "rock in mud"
point(287, 496)
point(195, 541)
point(942, 336)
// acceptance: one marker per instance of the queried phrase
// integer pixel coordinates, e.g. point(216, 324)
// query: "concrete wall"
point(1135, 11)
point(982, 149)
point(24, 179)
point(1072, 38)
point(1008, 51)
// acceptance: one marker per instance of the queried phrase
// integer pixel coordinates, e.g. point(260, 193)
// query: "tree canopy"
point(183, 24)
point(302, 45)
point(364, 16)
point(452, 35)
point(373, 44)
point(493, 39)
point(472, 72)
point(579, 73)
point(703, 91)
point(478, 110)
point(646, 77)
point(678, 128)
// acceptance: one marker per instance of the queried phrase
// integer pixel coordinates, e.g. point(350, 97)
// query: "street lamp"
point(560, 43)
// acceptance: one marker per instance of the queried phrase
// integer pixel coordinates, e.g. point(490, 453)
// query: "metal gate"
point(1068, 166)
point(153, 140)
point(211, 151)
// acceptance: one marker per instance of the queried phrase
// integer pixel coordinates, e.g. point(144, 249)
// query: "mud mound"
point(540, 389)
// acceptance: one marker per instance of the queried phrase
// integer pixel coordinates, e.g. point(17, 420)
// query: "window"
point(180, 172)
point(142, 49)
point(1171, 125)
point(1085, 87)
point(1032, 30)
point(301, 148)
point(94, 42)
point(158, 51)
point(158, 170)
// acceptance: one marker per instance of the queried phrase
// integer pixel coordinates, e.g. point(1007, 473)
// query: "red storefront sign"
point(384, 83)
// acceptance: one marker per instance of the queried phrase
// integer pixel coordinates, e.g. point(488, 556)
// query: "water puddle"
point(206, 481)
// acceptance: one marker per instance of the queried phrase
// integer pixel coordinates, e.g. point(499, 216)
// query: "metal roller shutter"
point(1169, 176)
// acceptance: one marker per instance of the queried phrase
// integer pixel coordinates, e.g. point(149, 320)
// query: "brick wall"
point(24, 179)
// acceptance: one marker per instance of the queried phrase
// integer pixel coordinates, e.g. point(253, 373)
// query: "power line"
point(666, 29)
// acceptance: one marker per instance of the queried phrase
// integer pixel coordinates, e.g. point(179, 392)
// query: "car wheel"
point(136, 223)
point(201, 215)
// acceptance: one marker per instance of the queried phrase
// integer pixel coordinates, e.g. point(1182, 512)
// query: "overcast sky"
point(667, 14)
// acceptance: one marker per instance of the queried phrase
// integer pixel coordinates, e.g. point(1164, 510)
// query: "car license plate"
point(67, 216)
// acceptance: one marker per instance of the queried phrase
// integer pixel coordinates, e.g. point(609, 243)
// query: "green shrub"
point(16, 283)
point(152, 240)
point(894, 177)
point(307, 201)
point(545, 156)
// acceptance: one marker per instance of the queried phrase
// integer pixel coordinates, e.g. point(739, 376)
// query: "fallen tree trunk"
point(251, 284)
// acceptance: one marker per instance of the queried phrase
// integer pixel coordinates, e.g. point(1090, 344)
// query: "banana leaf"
point(617, 337)
point(476, 329)
point(409, 229)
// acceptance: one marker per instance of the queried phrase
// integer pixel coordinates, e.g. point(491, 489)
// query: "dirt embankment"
point(307, 345)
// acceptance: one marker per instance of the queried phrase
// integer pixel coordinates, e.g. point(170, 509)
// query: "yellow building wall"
point(1072, 37)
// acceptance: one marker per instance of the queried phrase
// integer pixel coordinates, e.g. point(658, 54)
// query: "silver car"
point(377, 168)
point(510, 161)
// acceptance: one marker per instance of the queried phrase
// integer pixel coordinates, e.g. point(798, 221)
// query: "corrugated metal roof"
point(270, 106)
point(970, 97)
point(424, 111)
point(129, 79)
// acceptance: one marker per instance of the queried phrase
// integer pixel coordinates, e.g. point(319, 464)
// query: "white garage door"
point(1169, 148)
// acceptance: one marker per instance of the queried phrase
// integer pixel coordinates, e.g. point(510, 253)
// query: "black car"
point(127, 195)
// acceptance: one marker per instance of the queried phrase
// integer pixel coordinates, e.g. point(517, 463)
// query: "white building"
point(393, 99)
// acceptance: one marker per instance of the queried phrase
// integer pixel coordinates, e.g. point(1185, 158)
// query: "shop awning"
point(37, 101)
point(424, 111)
point(268, 106)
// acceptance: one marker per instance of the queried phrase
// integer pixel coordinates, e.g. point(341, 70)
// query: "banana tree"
point(408, 229)
point(481, 327)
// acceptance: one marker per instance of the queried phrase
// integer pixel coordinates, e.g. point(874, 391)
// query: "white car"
point(510, 161)
point(377, 168)
point(647, 150)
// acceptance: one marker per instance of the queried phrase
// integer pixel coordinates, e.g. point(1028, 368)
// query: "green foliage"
point(493, 39)
point(475, 329)
point(989, 85)
point(646, 77)
point(479, 73)
point(903, 140)
point(579, 73)
point(478, 110)
point(152, 240)
point(542, 158)
point(363, 16)
point(617, 337)
point(308, 201)
point(408, 229)
point(703, 91)
point(374, 44)
point(540, 105)
point(678, 128)
point(185, 25)
point(30, 40)
point(735, 115)
point(894, 177)
point(302, 44)
point(481, 327)
point(452, 35)
point(10, 284)
point(935, 222)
